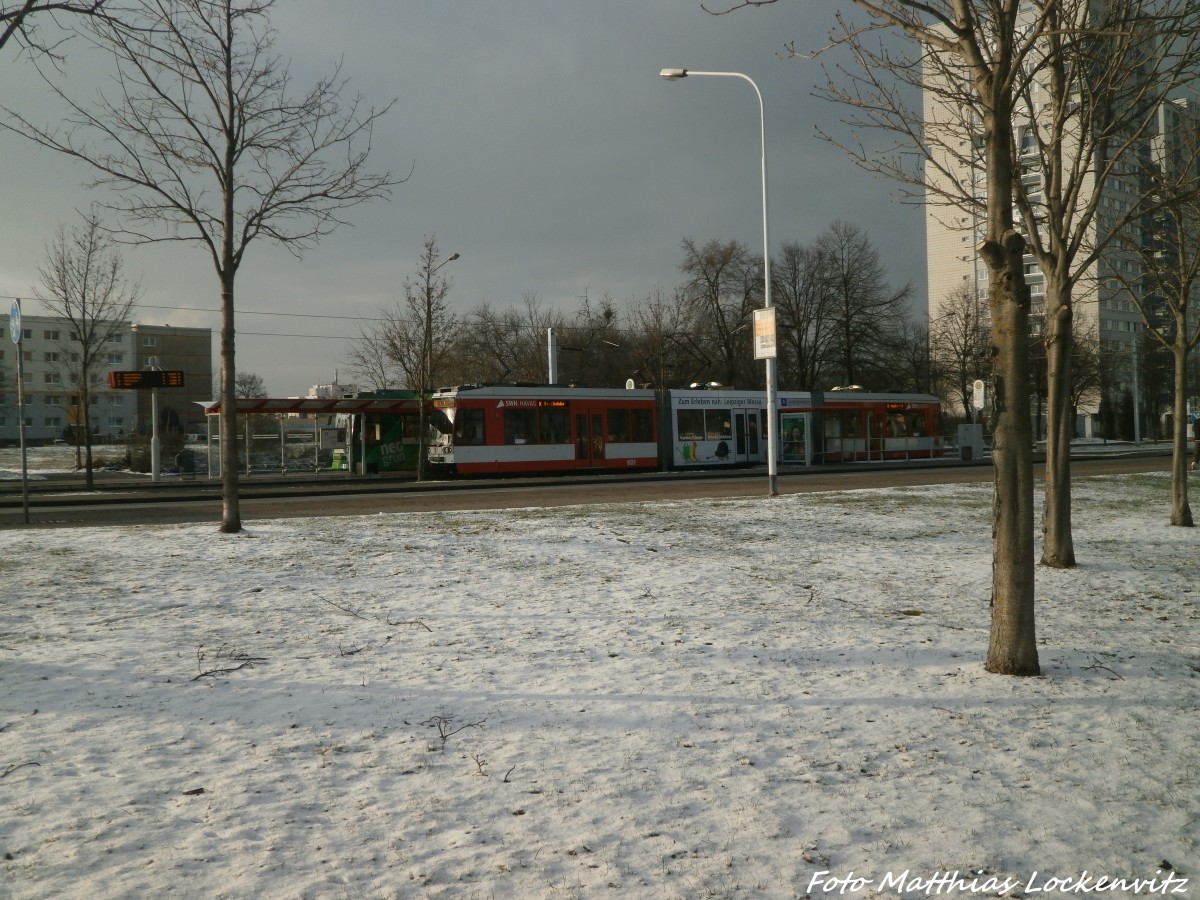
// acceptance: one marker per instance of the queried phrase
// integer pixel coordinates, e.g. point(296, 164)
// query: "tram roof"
point(248, 406)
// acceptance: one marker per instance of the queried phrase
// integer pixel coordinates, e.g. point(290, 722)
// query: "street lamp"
point(427, 366)
point(772, 372)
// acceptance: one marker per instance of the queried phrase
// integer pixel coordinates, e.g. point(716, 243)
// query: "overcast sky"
point(544, 148)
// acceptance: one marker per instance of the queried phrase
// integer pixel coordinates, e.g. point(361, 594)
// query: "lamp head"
point(673, 74)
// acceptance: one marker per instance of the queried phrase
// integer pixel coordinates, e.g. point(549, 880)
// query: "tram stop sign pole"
point(14, 327)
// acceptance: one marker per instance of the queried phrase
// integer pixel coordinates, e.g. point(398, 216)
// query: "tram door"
point(589, 438)
point(745, 430)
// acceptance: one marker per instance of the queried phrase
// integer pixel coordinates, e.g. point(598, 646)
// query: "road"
point(200, 502)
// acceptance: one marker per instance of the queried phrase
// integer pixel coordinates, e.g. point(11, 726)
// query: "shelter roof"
point(315, 405)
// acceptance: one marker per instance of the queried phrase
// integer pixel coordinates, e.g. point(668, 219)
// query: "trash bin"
point(965, 452)
point(338, 460)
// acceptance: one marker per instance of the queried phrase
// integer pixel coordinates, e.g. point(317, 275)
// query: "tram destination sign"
point(145, 380)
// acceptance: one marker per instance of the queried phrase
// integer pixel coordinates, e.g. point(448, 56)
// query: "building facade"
point(1107, 294)
point(50, 397)
point(171, 348)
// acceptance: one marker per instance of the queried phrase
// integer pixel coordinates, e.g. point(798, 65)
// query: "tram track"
point(65, 502)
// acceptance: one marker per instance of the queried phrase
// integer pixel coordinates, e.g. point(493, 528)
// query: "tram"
point(848, 426)
point(380, 434)
point(503, 428)
point(500, 429)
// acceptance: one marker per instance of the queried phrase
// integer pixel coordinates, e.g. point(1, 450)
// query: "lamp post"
point(772, 372)
point(427, 365)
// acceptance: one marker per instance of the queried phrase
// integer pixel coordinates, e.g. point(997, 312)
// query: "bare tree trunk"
point(1181, 511)
point(231, 516)
point(86, 412)
point(1059, 547)
point(1012, 649)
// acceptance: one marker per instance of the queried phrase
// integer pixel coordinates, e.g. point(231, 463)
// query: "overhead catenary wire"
point(463, 323)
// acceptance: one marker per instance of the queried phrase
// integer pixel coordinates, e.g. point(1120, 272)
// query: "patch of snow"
point(759, 698)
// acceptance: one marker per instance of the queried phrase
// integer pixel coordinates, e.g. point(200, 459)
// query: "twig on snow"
point(1097, 665)
point(345, 609)
point(8, 771)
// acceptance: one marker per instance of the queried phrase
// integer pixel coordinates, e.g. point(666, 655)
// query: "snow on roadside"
point(701, 698)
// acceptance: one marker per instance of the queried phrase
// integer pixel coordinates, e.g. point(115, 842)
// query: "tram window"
point(897, 426)
point(717, 425)
point(520, 426)
point(618, 426)
point(554, 427)
point(439, 420)
point(468, 428)
point(690, 424)
point(916, 426)
point(643, 426)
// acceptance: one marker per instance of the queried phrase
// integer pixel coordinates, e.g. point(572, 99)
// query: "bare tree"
point(507, 345)
point(907, 365)
point(960, 346)
point(970, 53)
point(205, 142)
point(249, 386)
point(416, 335)
point(1167, 244)
point(1095, 79)
point(864, 316)
point(665, 353)
point(722, 286)
point(19, 21)
point(1088, 80)
point(801, 292)
point(367, 358)
point(84, 284)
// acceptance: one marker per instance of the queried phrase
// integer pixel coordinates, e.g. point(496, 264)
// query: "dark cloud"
point(544, 148)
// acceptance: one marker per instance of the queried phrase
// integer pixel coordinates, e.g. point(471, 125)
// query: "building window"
point(53, 422)
point(51, 378)
point(115, 338)
point(149, 341)
point(50, 357)
point(116, 357)
point(51, 334)
point(117, 422)
point(53, 400)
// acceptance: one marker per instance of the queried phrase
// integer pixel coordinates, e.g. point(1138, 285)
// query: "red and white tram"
point(505, 428)
point(847, 426)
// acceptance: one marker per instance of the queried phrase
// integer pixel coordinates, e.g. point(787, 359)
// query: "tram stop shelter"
point(351, 429)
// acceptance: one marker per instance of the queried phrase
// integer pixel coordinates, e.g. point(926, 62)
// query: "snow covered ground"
point(754, 698)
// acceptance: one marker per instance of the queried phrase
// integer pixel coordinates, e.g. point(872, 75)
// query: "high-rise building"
point(1105, 310)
